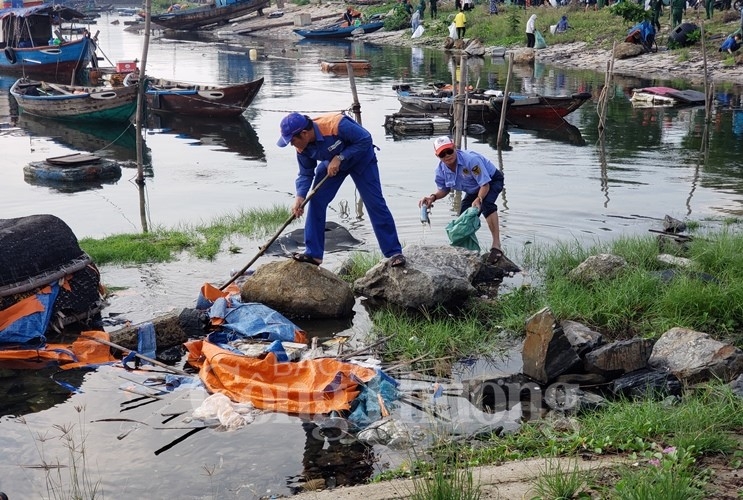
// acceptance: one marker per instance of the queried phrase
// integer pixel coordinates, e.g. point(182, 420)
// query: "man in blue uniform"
point(336, 146)
point(481, 181)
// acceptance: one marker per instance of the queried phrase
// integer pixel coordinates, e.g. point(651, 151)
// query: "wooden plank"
point(73, 159)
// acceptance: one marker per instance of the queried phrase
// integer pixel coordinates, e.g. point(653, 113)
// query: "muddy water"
point(557, 188)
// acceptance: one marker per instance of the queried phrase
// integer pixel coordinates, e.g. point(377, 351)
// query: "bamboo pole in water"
point(459, 102)
point(504, 104)
point(603, 103)
point(352, 80)
point(142, 86)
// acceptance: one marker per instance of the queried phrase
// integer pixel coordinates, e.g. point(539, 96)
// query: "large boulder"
point(695, 357)
point(298, 289)
point(432, 277)
point(547, 353)
point(597, 268)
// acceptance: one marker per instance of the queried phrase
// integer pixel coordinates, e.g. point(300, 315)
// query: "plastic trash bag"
point(418, 32)
point(539, 42)
point(453, 31)
point(461, 231)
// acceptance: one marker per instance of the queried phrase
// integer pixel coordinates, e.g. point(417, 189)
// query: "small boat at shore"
point(76, 103)
point(666, 96)
point(216, 101)
point(340, 31)
point(216, 12)
point(341, 66)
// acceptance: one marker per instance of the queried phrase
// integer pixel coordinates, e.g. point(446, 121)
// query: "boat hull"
point(190, 19)
point(487, 111)
point(52, 62)
point(164, 96)
point(111, 105)
point(340, 32)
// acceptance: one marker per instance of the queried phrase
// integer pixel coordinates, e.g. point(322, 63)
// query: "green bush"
point(630, 11)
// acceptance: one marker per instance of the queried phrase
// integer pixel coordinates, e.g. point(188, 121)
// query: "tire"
point(10, 55)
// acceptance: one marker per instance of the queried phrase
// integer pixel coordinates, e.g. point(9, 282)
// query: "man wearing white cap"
point(481, 181)
point(335, 146)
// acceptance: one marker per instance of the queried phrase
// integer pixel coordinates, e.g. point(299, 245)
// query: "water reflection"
point(115, 141)
point(236, 136)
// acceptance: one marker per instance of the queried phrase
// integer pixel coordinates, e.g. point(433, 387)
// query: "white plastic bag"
point(553, 28)
point(418, 32)
point(453, 31)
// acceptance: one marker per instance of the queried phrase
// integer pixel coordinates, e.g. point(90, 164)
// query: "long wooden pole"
point(352, 82)
point(142, 87)
point(504, 105)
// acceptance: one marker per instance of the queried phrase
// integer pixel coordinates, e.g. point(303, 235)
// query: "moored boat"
point(69, 102)
point(340, 31)
point(218, 11)
point(31, 47)
point(217, 101)
point(485, 106)
point(341, 65)
point(666, 96)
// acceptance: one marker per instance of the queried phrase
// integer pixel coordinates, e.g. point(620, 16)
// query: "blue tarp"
point(249, 321)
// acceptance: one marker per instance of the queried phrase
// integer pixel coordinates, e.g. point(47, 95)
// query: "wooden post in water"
point(356, 106)
point(460, 98)
point(603, 103)
point(504, 104)
point(140, 115)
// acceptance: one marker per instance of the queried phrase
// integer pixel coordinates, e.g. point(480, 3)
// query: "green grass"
point(204, 241)
point(556, 481)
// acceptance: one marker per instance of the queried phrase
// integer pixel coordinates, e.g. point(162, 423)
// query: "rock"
point(598, 267)
point(619, 357)
point(625, 50)
point(645, 383)
point(475, 48)
point(524, 56)
point(432, 277)
point(672, 225)
point(695, 357)
point(298, 289)
point(582, 338)
point(547, 353)
point(168, 331)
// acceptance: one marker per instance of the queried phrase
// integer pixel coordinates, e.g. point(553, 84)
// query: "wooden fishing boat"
point(77, 103)
point(217, 101)
point(485, 106)
point(78, 167)
point(666, 96)
point(31, 47)
point(416, 124)
point(340, 31)
point(341, 66)
point(216, 12)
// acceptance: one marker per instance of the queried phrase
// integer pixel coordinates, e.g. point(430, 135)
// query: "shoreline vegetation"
point(691, 446)
point(587, 44)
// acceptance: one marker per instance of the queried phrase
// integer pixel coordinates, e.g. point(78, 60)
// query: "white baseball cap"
point(442, 143)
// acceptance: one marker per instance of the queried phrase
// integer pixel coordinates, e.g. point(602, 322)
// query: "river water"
point(559, 187)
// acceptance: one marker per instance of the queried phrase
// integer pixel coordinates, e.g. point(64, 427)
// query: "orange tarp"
point(81, 352)
point(21, 309)
point(308, 387)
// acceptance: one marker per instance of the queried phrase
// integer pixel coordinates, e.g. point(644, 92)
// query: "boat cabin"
point(33, 26)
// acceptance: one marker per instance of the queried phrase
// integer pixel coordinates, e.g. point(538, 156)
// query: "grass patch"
point(164, 245)
point(557, 481)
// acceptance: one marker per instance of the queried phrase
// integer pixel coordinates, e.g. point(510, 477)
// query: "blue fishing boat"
point(340, 31)
point(32, 48)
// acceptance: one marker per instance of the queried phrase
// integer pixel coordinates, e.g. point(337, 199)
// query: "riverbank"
point(687, 64)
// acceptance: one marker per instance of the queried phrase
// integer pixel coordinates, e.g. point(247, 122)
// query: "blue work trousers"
point(369, 186)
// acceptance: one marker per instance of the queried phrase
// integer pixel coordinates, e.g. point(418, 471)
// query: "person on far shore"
point(678, 8)
point(434, 9)
point(460, 22)
point(731, 44)
point(415, 20)
point(530, 28)
point(493, 7)
point(422, 8)
point(709, 8)
point(589, 3)
point(656, 8)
